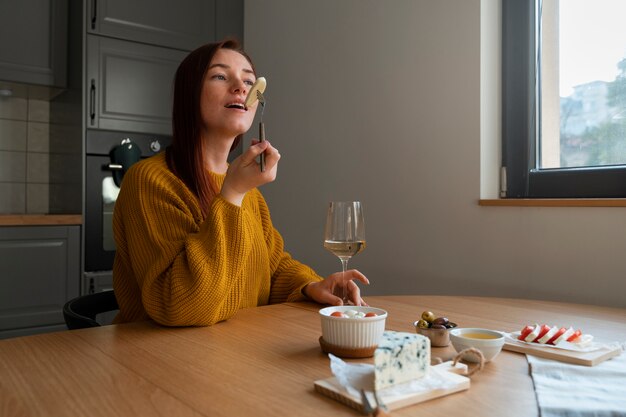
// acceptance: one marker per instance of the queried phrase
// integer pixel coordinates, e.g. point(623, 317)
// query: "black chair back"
point(81, 312)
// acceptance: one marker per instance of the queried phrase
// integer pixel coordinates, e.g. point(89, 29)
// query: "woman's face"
point(226, 85)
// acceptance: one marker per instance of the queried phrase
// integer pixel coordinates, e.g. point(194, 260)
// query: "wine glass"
point(344, 235)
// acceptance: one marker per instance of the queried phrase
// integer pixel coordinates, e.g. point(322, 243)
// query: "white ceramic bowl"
point(489, 342)
point(352, 333)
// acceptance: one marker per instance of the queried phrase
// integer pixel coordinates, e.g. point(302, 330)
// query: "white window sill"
point(554, 202)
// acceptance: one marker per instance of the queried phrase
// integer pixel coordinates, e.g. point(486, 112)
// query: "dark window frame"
point(521, 118)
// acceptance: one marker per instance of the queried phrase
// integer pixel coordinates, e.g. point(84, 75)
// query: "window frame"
point(521, 120)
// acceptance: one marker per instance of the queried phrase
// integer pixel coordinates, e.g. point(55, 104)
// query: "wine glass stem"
point(344, 268)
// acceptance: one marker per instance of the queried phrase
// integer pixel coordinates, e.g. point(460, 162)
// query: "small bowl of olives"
point(437, 329)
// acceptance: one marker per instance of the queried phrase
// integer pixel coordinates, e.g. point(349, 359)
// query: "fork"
point(368, 409)
point(261, 127)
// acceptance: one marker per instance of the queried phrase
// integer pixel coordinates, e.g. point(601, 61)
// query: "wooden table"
point(262, 362)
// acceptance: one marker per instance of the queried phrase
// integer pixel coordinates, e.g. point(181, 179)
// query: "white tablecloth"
point(565, 390)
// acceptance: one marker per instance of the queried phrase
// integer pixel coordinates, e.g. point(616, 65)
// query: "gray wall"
point(382, 102)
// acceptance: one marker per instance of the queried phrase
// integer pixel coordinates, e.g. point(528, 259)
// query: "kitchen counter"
point(40, 219)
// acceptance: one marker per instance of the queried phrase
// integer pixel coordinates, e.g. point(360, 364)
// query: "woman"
point(195, 241)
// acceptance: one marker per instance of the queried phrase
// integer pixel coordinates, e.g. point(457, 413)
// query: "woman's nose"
point(240, 87)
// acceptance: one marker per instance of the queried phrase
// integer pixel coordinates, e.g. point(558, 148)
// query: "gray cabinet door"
point(181, 24)
point(129, 85)
point(39, 272)
point(33, 37)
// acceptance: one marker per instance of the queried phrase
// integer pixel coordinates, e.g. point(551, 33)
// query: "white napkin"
point(110, 191)
point(566, 390)
point(352, 376)
point(356, 376)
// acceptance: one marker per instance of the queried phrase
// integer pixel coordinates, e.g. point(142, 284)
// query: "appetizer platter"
point(452, 377)
point(554, 336)
point(564, 344)
point(401, 374)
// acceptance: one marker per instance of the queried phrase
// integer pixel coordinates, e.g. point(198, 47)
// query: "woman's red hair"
point(185, 157)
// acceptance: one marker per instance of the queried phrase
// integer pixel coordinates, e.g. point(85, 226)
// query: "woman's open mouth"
point(239, 106)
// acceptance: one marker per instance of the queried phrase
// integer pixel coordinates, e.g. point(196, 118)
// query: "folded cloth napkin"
point(356, 376)
point(566, 390)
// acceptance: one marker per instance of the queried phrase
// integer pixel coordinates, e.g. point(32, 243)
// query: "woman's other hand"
point(244, 173)
point(330, 290)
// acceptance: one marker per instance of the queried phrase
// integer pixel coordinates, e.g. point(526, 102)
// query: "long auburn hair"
point(185, 156)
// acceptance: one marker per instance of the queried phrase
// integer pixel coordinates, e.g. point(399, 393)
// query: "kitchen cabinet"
point(133, 50)
point(33, 42)
point(180, 24)
point(130, 85)
point(39, 272)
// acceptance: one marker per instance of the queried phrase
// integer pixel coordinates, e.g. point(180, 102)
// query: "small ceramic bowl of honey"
point(489, 342)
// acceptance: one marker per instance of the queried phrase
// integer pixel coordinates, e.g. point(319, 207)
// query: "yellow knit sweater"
point(181, 269)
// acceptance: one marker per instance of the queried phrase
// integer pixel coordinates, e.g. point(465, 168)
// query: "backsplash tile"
point(38, 137)
point(28, 142)
point(13, 108)
point(38, 111)
point(13, 135)
point(63, 196)
point(37, 168)
point(12, 166)
point(62, 139)
point(65, 168)
point(37, 197)
point(13, 199)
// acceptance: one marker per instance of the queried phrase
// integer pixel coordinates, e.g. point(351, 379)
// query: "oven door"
point(100, 195)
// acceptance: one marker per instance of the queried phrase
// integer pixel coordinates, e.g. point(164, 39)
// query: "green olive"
point(429, 316)
point(422, 324)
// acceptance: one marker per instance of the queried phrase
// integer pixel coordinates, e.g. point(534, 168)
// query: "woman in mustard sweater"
point(195, 241)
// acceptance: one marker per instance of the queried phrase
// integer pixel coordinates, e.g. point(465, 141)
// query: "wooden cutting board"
point(453, 375)
point(577, 358)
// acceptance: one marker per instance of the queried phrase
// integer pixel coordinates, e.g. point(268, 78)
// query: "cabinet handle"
point(94, 7)
point(92, 102)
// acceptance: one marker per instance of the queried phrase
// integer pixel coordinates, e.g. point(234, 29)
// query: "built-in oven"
point(108, 155)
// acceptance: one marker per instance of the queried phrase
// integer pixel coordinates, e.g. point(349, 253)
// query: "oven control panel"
point(101, 142)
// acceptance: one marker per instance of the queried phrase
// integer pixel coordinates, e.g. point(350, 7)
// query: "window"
point(564, 98)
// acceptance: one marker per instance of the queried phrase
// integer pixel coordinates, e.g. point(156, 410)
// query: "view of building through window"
point(583, 83)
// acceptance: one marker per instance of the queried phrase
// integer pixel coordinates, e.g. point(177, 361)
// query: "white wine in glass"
point(345, 233)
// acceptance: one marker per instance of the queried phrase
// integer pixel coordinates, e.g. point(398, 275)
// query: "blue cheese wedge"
point(400, 357)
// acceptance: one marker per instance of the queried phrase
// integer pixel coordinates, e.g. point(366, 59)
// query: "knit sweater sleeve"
point(187, 269)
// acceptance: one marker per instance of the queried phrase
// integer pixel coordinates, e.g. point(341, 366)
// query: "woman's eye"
point(249, 82)
point(219, 77)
